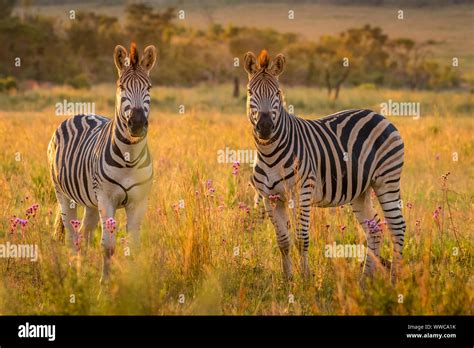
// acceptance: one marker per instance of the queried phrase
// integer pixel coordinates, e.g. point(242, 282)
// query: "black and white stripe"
point(327, 162)
point(104, 164)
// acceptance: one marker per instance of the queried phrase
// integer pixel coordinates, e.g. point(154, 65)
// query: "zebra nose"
point(264, 124)
point(138, 122)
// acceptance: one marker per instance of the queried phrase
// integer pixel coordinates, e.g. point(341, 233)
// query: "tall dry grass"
point(212, 257)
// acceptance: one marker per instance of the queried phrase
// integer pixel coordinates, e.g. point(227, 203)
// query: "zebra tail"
point(58, 230)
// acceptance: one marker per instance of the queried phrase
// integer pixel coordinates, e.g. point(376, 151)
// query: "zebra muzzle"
point(264, 126)
point(137, 123)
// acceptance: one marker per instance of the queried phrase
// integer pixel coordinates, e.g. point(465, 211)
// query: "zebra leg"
point(135, 213)
point(302, 232)
point(364, 211)
point(259, 207)
point(89, 223)
point(68, 213)
point(280, 220)
point(58, 229)
point(106, 211)
point(389, 198)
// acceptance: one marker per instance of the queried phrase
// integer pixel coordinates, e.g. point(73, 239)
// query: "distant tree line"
point(79, 52)
point(410, 3)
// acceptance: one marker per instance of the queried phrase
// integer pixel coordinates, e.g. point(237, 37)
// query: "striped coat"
point(340, 155)
point(89, 155)
point(104, 164)
point(328, 162)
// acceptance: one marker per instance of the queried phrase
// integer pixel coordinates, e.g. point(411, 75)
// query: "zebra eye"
point(148, 88)
point(249, 92)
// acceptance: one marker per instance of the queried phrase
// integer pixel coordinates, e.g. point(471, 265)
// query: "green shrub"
point(7, 83)
point(80, 81)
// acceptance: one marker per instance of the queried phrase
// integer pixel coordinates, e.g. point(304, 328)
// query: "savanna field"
point(211, 255)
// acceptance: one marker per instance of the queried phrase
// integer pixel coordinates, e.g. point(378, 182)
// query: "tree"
point(358, 53)
point(335, 61)
point(6, 8)
point(410, 64)
point(147, 26)
point(91, 38)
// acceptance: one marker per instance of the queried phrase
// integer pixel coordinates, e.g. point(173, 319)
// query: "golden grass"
point(191, 251)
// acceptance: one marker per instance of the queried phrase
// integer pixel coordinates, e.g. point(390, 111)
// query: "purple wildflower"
point(235, 168)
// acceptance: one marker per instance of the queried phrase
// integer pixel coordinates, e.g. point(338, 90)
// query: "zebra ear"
point(250, 63)
point(149, 58)
point(278, 65)
point(120, 58)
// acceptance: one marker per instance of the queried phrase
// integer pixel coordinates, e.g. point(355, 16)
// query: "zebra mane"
point(133, 55)
point(263, 59)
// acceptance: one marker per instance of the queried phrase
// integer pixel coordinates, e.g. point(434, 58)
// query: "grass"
point(211, 254)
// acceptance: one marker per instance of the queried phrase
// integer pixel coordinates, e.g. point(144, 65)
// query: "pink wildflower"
point(110, 225)
point(235, 168)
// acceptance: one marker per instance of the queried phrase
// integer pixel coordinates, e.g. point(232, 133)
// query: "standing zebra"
point(327, 163)
point(104, 164)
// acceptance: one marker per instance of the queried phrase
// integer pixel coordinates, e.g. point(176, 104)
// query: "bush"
point(7, 84)
point(80, 81)
point(367, 86)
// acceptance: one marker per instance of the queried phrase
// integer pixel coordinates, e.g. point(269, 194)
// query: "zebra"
point(104, 164)
point(329, 162)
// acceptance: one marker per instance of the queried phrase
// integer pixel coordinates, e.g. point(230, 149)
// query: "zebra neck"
point(280, 137)
point(128, 150)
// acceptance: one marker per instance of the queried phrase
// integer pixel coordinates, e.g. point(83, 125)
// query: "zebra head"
point(264, 97)
point(133, 90)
